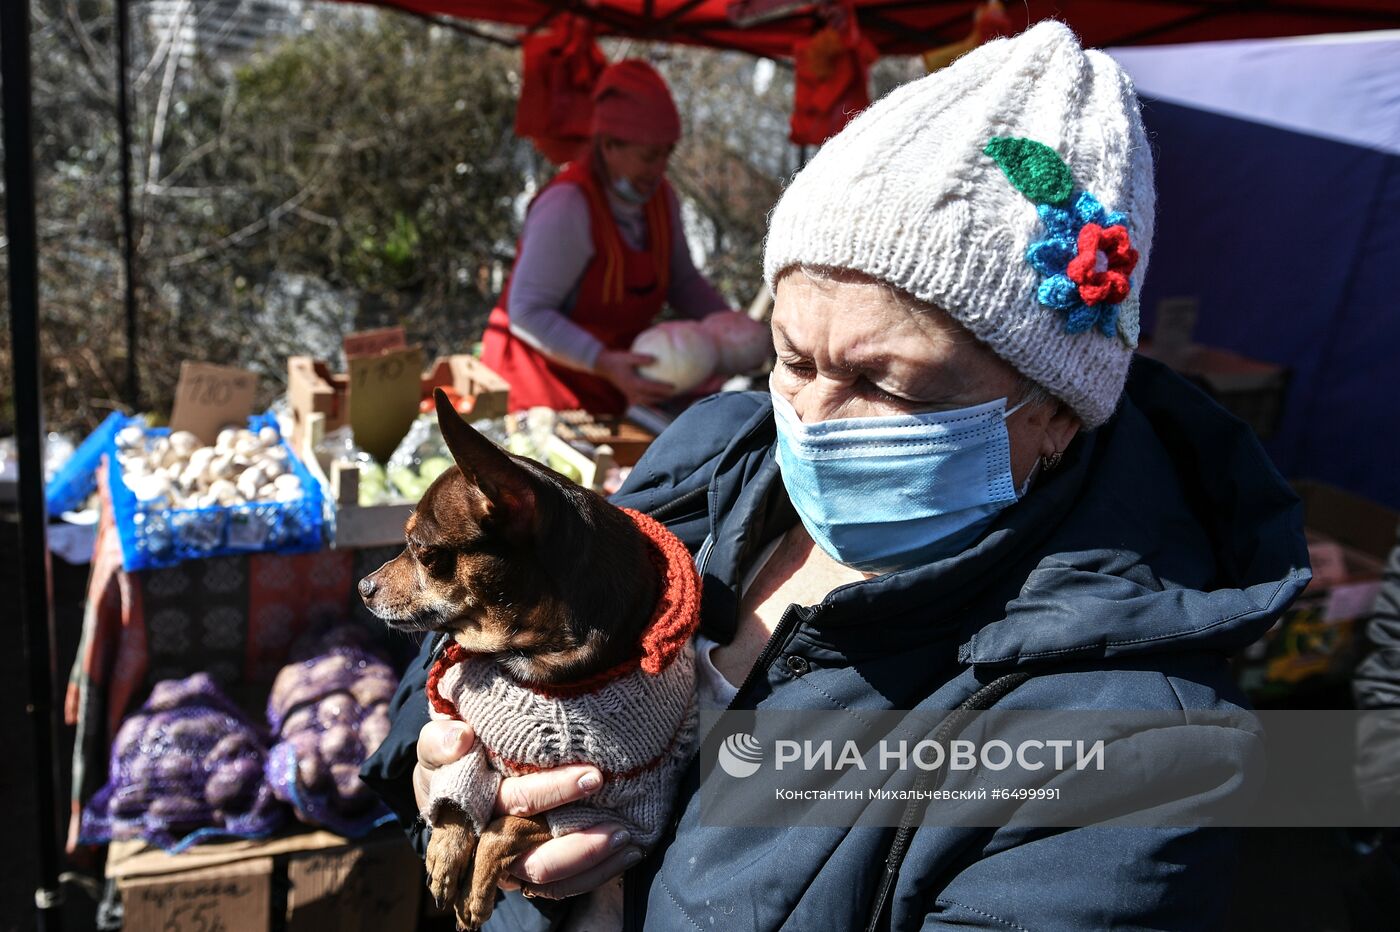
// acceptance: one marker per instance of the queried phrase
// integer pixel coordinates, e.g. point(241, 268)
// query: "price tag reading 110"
point(378, 371)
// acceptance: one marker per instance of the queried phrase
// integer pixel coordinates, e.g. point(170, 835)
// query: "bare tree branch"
point(239, 236)
point(167, 88)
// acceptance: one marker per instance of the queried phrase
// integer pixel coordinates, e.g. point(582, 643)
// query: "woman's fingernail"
point(632, 857)
point(452, 739)
point(589, 782)
point(620, 838)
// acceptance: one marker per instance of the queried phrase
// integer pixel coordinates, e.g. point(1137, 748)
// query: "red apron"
point(620, 294)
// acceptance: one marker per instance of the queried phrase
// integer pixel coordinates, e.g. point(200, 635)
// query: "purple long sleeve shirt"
point(556, 246)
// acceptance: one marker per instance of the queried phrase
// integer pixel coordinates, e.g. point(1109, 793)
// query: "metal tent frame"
point(35, 593)
point(897, 26)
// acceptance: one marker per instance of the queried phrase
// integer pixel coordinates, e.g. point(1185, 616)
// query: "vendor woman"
point(601, 251)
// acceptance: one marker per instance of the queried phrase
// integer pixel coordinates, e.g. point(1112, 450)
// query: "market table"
point(234, 618)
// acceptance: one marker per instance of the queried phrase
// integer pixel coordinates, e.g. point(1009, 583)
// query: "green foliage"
point(386, 159)
point(731, 161)
point(362, 174)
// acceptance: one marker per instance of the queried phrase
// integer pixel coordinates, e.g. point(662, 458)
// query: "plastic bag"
point(187, 767)
point(329, 712)
point(338, 446)
point(420, 458)
point(74, 483)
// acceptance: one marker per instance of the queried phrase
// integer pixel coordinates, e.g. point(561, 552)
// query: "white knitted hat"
point(1013, 189)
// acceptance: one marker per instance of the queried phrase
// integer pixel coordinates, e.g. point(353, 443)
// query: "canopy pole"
point(35, 588)
point(133, 384)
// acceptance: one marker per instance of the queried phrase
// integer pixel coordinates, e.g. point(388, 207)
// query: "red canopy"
point(770, 27)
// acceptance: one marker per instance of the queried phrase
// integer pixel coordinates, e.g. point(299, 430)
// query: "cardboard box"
point(233, 896)
point(1250, 389)
point(362, 888)
point(470, 377)
point(329, 883)
point(628, 441)
point(1366, 528)
point(1316, 640)
point(313, 389)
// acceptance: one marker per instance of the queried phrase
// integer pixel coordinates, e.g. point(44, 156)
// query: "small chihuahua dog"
point(542, 578)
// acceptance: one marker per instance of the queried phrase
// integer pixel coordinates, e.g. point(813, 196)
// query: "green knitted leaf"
point(1035, 169)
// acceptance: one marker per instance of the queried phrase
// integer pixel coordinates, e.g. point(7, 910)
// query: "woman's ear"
point(1059, 430)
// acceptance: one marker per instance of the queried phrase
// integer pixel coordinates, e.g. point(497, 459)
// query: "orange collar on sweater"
point(674, 621)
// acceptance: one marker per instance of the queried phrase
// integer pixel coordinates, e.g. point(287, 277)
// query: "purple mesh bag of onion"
point(329, 711)
point(187, 766)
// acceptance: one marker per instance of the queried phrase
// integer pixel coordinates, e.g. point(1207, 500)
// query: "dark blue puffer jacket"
point(1163, 542)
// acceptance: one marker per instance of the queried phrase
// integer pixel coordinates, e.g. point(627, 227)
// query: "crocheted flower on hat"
point(1087, 256)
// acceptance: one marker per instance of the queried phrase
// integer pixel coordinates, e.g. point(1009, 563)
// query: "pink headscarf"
point(631, 102)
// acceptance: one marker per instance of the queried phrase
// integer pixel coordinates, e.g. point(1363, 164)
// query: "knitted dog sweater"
point(635, 722)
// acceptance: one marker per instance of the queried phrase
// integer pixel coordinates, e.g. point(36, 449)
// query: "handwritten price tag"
point(383, 398)
point(226, 898)
point(209, 398)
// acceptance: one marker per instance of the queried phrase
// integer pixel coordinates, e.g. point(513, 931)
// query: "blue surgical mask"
point(624, 189)
point(886, 493)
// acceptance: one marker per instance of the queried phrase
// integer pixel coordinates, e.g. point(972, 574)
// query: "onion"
point(685, 353)
point(744, 344)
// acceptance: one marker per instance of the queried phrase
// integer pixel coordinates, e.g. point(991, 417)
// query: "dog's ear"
point(508, 489)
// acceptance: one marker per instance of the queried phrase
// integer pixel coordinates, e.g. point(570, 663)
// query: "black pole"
point(133, 385)
point(35, 589)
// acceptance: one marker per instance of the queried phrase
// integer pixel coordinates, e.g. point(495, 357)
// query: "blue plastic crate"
point(157, 537)
point(77, 478)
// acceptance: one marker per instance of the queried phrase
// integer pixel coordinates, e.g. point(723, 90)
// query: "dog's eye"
point(434, 558)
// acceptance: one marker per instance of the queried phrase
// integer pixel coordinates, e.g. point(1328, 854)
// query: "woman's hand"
point(620, 368)
point(565, 866)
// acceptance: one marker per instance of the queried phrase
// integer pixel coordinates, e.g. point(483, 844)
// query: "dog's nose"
point(368, 587)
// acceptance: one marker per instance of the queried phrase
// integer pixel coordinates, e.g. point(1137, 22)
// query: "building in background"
point(226, 30)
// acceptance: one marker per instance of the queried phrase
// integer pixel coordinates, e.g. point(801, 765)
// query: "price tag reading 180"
point(210, 397)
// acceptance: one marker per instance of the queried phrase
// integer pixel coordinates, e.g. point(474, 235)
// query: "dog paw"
point(476, 907)
point(448, 862)
point(444, 879)
point(501, 842)
point(467, 918)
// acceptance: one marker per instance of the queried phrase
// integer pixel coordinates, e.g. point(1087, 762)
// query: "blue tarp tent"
point(1278, 185)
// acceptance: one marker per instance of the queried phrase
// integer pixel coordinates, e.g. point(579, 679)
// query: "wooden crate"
point(470, 377)
point(354, 525)
point(312, 388)
point(628, 441)
point(357, 526)
point(592, 469)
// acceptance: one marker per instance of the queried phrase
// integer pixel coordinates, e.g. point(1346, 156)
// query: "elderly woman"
point(957, 495)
